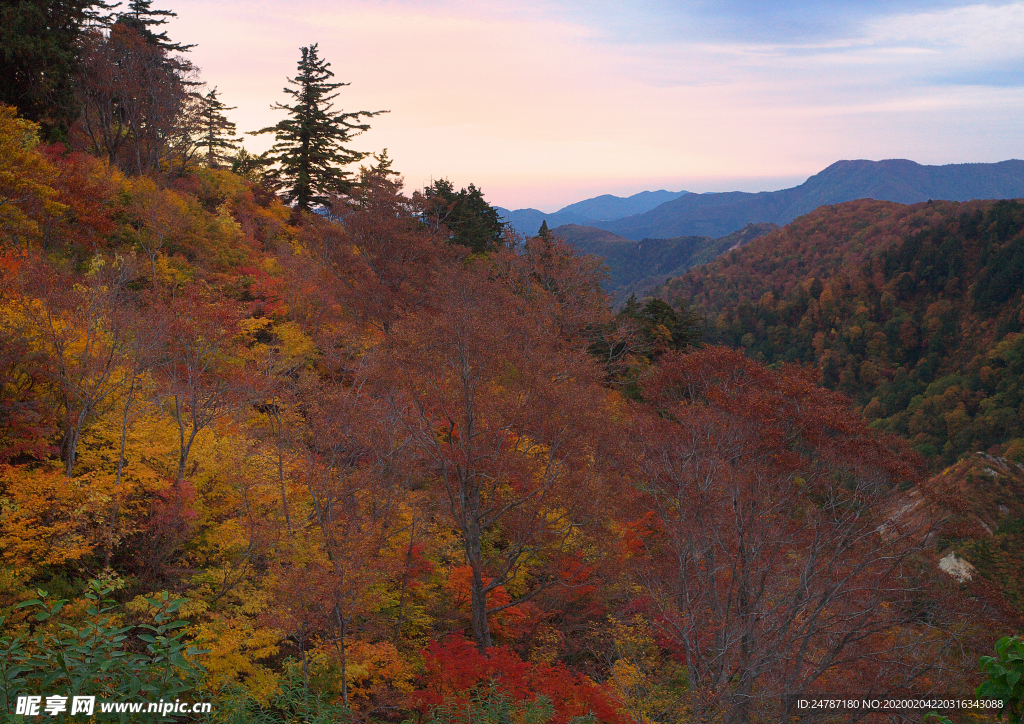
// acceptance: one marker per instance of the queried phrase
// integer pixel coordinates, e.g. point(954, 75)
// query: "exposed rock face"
point(958, 568)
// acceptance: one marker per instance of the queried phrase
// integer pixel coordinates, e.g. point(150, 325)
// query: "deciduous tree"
point(498, 415)
point(774, 568)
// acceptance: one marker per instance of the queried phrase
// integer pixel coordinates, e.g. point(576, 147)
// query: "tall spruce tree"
point(217, 130)
point(308, 151)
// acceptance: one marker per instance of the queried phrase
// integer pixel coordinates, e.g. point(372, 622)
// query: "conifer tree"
point(40, 55)
point(470, 220)
point(217, 130)
point(141, 17)
point(308, 151)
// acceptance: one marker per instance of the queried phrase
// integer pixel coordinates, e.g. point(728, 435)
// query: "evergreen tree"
point(470, 220)
point(251, 167)
point(141, 17)
point(383, 166)
point(308, 151)
point(217, 130)
point(40, 55)
point(544, 232)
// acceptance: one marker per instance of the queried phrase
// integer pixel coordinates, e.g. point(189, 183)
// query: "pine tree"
point(141, 17)
point(217, 130)
point(308, 151)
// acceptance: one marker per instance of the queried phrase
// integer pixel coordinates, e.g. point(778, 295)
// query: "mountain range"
point(667, 215)
point(898, 180)
point(587, 212)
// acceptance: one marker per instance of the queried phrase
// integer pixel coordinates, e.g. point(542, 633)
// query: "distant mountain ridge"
point(898, 180)
point(635, 267)
point(584, 213)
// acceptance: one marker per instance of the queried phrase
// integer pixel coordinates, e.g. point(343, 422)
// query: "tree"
point(141, 17)
point(499, 415)
point(83, 329)
point(26, 180)
point(470, 220)
point(380, 262)
point(217, 130)
point(196, 370)
point(40, 55)
point(777, 569)
point(135, 100)
point(308, 149)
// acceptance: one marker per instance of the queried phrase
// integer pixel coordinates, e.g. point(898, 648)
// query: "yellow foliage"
point(173, 271)
point(236, 644)
point(647, 684)
point(26, 192)
point(373, 668)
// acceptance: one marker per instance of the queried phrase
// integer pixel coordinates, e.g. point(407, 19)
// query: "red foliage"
point(779, 565)
point(89, 188)
point(454, 667)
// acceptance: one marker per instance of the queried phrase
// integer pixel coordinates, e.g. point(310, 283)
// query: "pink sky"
point(545, 104)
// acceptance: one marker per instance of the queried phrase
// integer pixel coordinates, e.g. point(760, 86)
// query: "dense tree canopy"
point(40, 55)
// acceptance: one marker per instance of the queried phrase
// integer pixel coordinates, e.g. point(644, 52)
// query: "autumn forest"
point(280, 434)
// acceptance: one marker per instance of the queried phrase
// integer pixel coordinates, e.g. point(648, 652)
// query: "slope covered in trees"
point(913, 311)
point(387, 462)
point(634, 267)
point(310, 438)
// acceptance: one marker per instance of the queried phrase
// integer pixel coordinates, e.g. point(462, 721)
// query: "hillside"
point(635, 267)
point(913, 311)
point(977, 509)
point(600, 208)
point(248, 425)
point(896, 180)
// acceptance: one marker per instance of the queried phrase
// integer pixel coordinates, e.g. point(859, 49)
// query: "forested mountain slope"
point(913, 311)
point(373, 472)
point(634, 267)
point(279, 436)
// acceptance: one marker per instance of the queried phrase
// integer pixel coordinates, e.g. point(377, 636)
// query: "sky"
point(541, 104)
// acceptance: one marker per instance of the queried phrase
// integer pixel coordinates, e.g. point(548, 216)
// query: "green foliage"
point(97, 657)
point(490, 705)
point(663, 327)
point(470, 220)
point(39, 56)
point(294, 701)
point(1005, 679)
point(308, 150)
